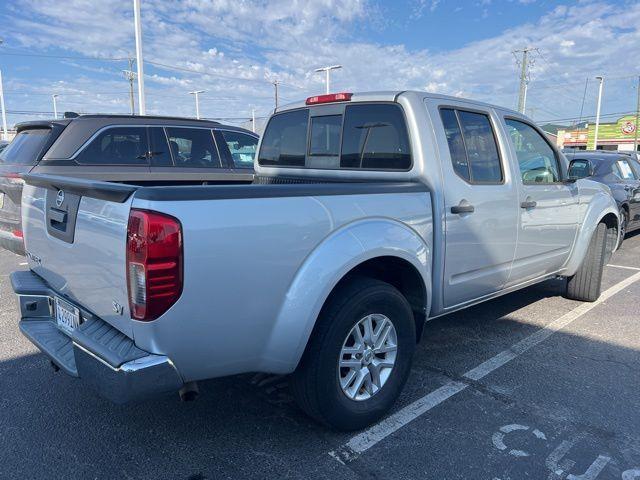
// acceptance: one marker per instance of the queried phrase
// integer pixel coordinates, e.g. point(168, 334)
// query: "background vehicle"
point(621, 173)
point(373, 212)
point(138, 150)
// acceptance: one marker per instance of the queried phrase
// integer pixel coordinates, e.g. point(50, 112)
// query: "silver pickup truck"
point(370, 214)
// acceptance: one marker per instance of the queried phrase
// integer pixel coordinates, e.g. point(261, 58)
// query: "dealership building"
point(619, 135)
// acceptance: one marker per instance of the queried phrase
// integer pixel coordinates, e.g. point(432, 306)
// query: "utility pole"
point(130, 75)
point(524, 77)
point(139, 61)
point(5, 134)
point(327, 71)
point(196, 93)
point(55, 105)
point(635, 139)
point(253, 120)
point(275, 86)
point(595, 135)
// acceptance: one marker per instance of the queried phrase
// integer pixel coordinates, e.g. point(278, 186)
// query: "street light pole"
point(197, 93)
point(635, 139)
point(55, 105)
point(139, 60)
point(595, 139)
point(5, 133)
point(327, 71)
point(253, 120)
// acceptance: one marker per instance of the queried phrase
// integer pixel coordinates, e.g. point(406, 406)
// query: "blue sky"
point(234, 48)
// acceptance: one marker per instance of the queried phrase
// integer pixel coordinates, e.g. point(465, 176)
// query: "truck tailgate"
point(75, 238)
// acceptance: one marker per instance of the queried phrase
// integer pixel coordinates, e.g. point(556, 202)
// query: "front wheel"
point(359, 356)
point(586, 284)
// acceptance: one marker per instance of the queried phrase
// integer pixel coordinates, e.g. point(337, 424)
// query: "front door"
point(548, 205)
point(481, 212)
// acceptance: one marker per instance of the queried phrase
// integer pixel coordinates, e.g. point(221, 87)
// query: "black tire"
point(586, 284)
point(315, 383)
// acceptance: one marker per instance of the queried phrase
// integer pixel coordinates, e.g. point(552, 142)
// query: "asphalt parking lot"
point(528, 386)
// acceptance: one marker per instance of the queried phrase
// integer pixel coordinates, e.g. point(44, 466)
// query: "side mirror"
point(579, 168)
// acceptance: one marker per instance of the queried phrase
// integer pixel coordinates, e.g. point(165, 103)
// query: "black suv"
point(129, 149)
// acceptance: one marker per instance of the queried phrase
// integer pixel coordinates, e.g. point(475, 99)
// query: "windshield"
point(25, 147)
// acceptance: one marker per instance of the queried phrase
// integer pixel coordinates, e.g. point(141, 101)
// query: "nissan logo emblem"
point(59, 198)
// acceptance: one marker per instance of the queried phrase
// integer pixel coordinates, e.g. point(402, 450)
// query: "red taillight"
point(331, 97)
point(15, 178)
point(17, 233)
point(154, 263)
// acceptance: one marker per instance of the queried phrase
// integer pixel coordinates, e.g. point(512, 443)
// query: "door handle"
point(528, 204)
point(463, 207)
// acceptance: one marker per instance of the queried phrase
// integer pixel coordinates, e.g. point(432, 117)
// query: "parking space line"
point(623, 266)
point(363, 441)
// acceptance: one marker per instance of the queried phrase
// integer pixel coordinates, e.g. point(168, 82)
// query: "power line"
point(613, 114)
point(63, 57)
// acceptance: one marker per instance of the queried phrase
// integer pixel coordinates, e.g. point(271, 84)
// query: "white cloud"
point(239, 45)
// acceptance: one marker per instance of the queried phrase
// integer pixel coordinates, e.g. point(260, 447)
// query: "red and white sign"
point(628, 128)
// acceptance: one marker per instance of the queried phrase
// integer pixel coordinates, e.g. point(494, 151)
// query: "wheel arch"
point(381, 248)
point(602, 209)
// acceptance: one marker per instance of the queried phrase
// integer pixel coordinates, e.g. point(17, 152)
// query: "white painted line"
point(363, 441)
point(23, 264)
point(623, 266)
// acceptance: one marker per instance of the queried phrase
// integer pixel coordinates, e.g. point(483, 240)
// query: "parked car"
point(371, 213)
point(621, 173)
point(133, 149)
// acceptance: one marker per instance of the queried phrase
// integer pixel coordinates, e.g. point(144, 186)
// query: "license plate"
point(67, 316)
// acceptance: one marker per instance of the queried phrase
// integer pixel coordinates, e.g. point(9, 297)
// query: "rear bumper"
point(97, 353)
point(10, 242)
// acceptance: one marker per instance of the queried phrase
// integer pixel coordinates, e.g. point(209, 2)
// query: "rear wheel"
point(586, 284)
point(359, 356)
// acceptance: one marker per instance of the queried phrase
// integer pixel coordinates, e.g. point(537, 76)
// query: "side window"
point(537, 160)
point(160, 154)
point(193, 147)
point(375, 137)
point(242, 148)
point(117, 146)
point(472, 145)
point(456, 143)
point(285, 140)
point(624, 170)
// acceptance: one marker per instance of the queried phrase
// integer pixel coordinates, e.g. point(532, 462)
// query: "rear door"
point(190, 155)
point(480, 201)
point(630, 179)
point(548, 211)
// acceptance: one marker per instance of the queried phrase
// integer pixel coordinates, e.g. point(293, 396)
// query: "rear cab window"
point(367, 136)
point(26, 147)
